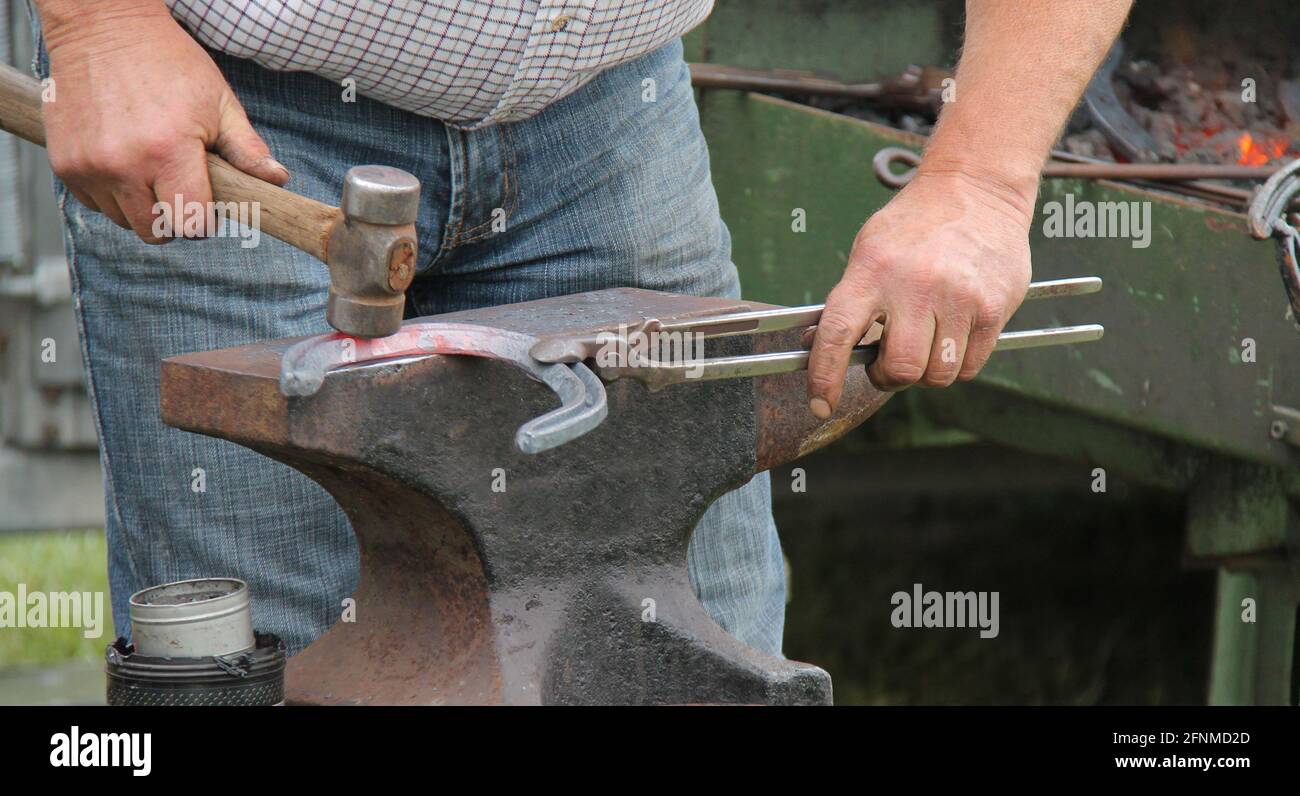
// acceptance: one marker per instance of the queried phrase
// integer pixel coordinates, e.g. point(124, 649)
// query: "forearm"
point(1023, 68)
point(61, 19)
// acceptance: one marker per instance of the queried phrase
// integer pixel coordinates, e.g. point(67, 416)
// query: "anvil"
point(494, 576)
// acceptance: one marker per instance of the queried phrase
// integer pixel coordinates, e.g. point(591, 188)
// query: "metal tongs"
point(615, 358)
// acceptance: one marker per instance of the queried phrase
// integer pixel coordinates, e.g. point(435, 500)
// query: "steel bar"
point(1213, 191)
point(1173, 172)
point(741, 79)
point(916, 88)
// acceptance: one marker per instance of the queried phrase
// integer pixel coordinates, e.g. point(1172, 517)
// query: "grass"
point(60, 561)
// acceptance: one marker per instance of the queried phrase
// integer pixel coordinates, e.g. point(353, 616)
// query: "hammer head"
point(372, 251)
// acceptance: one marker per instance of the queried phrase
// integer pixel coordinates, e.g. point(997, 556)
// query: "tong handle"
point(657, 375)
point(758, 321)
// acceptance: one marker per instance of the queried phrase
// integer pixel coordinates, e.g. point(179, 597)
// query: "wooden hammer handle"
point(20, 105)
point(298, 221)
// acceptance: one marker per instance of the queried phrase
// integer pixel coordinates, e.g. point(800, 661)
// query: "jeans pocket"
point(500, 214)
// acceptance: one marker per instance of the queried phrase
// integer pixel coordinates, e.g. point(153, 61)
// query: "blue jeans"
point(602, 189)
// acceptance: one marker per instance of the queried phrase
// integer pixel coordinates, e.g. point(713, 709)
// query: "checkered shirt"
point(465, 62)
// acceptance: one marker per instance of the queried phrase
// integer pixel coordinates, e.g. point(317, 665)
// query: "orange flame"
point(1259, 153)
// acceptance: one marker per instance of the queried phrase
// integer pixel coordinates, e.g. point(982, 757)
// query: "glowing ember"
point(1258, 153)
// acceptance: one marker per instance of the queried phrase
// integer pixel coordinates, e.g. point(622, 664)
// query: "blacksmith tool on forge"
point(369, 242)
point(570, 585)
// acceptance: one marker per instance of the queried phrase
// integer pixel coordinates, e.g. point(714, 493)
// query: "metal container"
point(192, 619)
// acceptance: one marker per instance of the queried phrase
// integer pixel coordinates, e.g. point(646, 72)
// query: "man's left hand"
point(942, 266)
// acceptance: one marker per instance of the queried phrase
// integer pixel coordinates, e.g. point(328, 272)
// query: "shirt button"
point(559, 23)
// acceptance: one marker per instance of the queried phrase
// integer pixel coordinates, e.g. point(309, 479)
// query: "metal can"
point(192, 619)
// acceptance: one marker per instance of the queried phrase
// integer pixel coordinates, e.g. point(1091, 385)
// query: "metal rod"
point(1060, 335)
point(1175, 172)
point(916, 88)
point(884, 161)
point(793, 317)
point(1071, 286)
point(742, 79)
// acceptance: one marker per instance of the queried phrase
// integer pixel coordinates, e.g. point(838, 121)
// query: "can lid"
point(199, 599)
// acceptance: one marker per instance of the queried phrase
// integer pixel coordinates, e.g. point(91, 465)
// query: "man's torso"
point(465, 62)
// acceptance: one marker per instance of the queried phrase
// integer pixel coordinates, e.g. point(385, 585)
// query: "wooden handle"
point(20, 105)
point(298, 221)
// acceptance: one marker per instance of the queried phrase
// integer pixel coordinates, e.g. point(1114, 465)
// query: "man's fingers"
point(849, 311)
point(983, 338)
point(106, 203)
point(137, 203)
point(948, 352)
point(86, 199)
point(182, 185)
point(977, 354)
point(904, 349)
point(240, 144)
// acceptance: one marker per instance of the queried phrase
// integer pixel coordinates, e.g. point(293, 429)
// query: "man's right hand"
point(137, 104)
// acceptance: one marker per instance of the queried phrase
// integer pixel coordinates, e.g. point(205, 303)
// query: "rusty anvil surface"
point(535, 594)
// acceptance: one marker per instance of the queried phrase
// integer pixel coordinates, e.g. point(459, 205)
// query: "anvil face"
point(491, 576)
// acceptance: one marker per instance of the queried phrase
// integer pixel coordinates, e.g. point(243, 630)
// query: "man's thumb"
point(240, 144)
